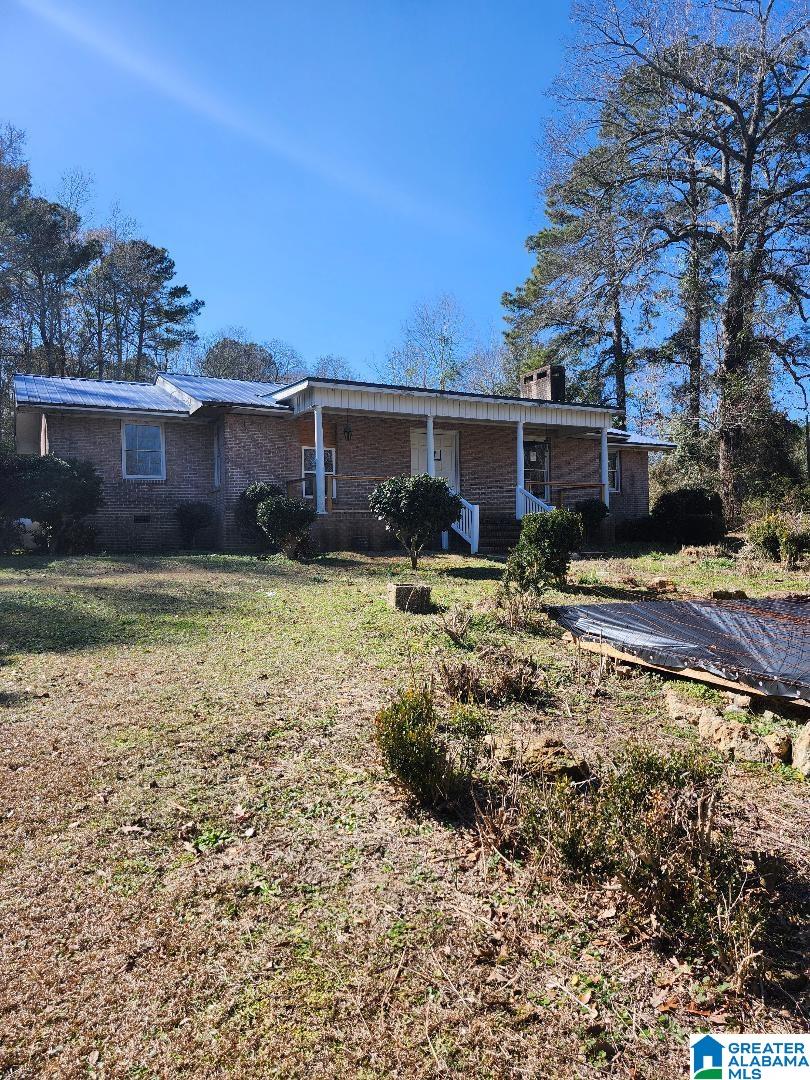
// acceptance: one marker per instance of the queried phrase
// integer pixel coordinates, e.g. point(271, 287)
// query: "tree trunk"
point(414, 558)
point(619, 361)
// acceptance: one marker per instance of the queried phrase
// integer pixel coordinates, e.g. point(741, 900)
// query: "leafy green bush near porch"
point(286, 523)
point(246, 506)
point(543, 553)
point(415, 509)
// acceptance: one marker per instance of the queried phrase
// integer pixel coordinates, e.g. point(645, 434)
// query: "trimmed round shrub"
point(246, 507)
point(286, 523)
point(192, 517)
point(690, 516)
point(593, 512)
point(415, 509)
point(543, 553)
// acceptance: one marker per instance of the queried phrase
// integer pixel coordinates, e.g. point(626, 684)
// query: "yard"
point(205, 869)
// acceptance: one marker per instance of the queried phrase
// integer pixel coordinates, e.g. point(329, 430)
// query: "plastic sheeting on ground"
point(764, 645)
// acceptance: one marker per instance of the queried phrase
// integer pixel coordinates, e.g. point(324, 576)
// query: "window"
point(142, 452)
point(614, 471)
point(308, 468)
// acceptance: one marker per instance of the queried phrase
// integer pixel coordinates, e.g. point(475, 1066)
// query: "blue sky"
point(314, 168)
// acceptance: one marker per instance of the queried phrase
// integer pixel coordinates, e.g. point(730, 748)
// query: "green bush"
point(415, 509)
point(433, 758)
point(593, 512)
point(408, 735)
point(651, 826)
point(781, 536)
point(246, 507)
point(192, 517)
point(543, 553)
point(55, 492)
point(690, 516)
point(641, 530)
point(286, 523)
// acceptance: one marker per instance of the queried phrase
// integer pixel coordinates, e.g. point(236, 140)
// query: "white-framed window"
point(614, 471)
point(143, 451)
point(308, 468)
point(218, 439)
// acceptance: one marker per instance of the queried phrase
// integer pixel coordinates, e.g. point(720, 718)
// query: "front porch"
point(501, 470)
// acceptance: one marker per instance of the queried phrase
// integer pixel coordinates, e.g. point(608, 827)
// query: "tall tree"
point(726, 86)
point(587, 280)
point(161, 314)
point(435, 345)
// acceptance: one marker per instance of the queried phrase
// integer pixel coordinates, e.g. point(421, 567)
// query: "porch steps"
point(498, 534)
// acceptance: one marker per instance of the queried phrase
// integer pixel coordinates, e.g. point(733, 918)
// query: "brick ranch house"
point(187, 437)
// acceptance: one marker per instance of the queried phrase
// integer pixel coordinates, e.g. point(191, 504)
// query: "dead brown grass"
point(205, 871)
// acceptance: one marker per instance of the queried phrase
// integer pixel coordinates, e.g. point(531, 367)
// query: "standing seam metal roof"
point(95, 394)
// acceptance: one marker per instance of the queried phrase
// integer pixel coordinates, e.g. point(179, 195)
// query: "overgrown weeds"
point(651, 827)
point(496, 675)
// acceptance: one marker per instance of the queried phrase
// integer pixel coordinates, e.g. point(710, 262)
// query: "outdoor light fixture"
point(347, 430)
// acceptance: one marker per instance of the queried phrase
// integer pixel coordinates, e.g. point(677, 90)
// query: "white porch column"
point(603, 468)
point(430, 460)
point(320, 466)
point(521, 467)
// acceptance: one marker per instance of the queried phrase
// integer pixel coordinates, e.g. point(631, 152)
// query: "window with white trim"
point(143, 454)
point(308, 468)
point(614, 471)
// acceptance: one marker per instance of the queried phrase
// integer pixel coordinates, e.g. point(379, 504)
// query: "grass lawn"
point(206, 871)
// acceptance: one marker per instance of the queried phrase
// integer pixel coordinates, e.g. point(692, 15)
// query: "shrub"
point(286, 522)
point(642, 530)
point(55, 492)
point(781, 536)
point(408, 735)
point(246, 507)
point(543, 552)
point(192, 517)
point(415, 509)
point(651, 826)
point(593, 512)
point(690, 516)
point(456, 622)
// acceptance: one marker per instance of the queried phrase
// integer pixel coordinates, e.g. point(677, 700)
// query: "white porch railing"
point(526, 503)
point(467, 525)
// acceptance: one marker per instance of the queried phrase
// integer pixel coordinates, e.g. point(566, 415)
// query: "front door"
point(535, 468)
point(445, 455)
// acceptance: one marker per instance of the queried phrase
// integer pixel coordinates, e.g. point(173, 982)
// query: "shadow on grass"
point(89, 616)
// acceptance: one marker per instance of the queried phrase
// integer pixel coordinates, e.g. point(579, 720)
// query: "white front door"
point(445, 455)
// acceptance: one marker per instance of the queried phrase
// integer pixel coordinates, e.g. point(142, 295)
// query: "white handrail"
point(526, 503)
point(468, 524)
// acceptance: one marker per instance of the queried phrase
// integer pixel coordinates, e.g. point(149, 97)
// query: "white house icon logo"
point(707, 1059)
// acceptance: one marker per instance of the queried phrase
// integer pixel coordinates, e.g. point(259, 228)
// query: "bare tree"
point(435, 346)
point(725, 93)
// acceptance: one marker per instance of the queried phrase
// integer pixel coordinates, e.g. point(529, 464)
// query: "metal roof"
point(210, 391)
point(643, 442)
point(95, 394)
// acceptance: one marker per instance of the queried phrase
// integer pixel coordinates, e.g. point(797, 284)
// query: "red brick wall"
point(634, 498)
point(189, 476)
point(269, 448)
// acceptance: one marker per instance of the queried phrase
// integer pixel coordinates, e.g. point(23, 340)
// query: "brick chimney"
point(545, 384)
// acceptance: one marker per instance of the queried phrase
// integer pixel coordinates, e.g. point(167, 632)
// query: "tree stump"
point(407, 596)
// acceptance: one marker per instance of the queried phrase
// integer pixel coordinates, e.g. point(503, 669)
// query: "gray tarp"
point(762, 644)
